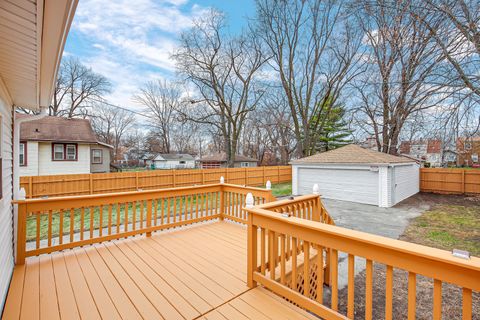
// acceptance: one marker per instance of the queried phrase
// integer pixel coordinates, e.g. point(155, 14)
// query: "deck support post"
point(222, 202)
point(21, 233)
point(251, 252)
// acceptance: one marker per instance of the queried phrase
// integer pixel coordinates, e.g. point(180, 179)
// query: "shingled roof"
point(57, 129)
point(352, 154)
point(221, 157)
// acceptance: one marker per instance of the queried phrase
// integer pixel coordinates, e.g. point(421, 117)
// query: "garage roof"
point(352, 154)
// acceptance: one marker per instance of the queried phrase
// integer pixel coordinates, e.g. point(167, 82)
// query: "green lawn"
point(447, 227)
point(282, 189)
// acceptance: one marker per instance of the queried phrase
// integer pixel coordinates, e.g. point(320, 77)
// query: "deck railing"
point(53, 224)
point(312, 238)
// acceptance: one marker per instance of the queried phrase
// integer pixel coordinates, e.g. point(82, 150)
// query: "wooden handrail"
point(437, 264)
point(65, 222)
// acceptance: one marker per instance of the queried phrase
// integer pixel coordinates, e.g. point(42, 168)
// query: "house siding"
point(31, 169)
point(6, 213)
point(47, 166)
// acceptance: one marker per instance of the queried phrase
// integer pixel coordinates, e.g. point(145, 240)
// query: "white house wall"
point(405, 182)
point(47, 166)
point(384, 187)
point(31, 169)
point(6, 213)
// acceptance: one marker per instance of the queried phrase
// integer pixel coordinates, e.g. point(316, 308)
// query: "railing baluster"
point(306, 268)
point(91, 222)
point(50, 226)
point(37, 236)
point(294, 264)
point(118, 217)
point(134, 215)
point(351, 286)
point(100, 220)
point(320, 274)
point(109, 219)
point(368, 289)
point(82, 222)
point(271, 254)
point(72, 224)
point(162, 210)
point(155, 211)
point(191, 206)
point(334, 278)
point(282, 259)
point(412, 295)
point(466, 304)
point(206, 204)
point(389, 294)
point(142, 208)
point(262, 251)
point(174, 209)
point(126, 213)
point(437, 299)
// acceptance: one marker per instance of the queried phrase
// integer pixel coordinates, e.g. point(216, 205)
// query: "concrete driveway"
point(387, 222)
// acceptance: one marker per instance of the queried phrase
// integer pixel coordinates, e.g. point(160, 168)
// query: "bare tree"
point(111, 124)
point(314, 51)
point(403, 65)
point(455, 26)
point(77, 87)
point(162, 100)
point(223, 72)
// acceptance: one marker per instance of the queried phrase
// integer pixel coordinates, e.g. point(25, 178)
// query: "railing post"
point(149, 217)
point(252, 252)
point(222, 201)
point(21, 233)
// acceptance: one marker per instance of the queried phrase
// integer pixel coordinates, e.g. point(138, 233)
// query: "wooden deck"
point(189, 273)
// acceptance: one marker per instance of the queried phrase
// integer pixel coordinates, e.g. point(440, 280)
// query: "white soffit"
point(32, 37)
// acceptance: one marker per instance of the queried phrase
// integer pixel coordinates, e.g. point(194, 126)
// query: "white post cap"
point(222, 179)
point(249, 201)
point(22, 194)
point(268, 185)
point(316, 189)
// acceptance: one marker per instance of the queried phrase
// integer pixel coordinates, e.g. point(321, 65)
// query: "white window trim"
point(55, 152)
point(21, 153)
point(67, 156)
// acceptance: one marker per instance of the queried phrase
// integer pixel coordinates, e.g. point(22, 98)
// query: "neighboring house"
point(54, 145)
point(429, 150)
point(352, 173)
point(32, 38)
point(170, 161)
point(219, 160)
point(370, 143)
point(468, 150)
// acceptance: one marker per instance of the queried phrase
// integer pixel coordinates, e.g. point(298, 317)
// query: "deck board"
point(197, 272)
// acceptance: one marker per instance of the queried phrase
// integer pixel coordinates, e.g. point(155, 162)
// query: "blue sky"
point(130, 41)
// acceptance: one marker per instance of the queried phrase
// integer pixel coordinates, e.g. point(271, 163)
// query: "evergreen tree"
point(334, 133)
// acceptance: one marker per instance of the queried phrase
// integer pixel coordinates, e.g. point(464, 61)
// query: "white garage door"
point(342, 184)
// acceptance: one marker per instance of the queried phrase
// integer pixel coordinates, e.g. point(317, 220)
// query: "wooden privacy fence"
point(53, 224)
point(450, 181)
point(275, 239)
point(96, 183)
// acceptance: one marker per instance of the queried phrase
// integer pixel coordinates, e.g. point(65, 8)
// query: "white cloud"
point(130, 43)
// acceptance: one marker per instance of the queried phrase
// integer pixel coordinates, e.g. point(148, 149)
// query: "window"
point(22, 155)
point(64, 152)
point(71, 152)
point(97, 156)
point(244, 164)
point(475, 157)
point(58, 152)
point(182, 162)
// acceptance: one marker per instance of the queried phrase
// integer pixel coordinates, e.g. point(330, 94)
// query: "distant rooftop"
point(57, 129)
point(222, 157)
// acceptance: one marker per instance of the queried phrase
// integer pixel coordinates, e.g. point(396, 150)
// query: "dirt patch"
point(450, 222)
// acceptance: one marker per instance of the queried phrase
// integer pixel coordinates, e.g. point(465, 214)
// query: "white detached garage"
point(352, 173)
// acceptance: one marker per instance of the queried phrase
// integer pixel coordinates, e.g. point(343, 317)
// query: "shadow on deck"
point(193, 272)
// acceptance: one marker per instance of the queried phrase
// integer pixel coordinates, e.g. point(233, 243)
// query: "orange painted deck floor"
point(189, 273)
